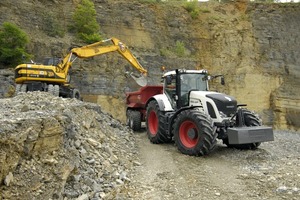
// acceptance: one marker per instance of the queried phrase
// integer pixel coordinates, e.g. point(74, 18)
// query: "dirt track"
point(270, 172)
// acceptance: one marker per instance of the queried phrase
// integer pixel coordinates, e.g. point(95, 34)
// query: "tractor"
point(185, 111)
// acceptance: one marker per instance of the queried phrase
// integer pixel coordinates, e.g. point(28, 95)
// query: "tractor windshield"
point(188, 82)
point(194, 81)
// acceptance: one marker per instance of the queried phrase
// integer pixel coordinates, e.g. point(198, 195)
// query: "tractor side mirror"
point(222, 80)
point(169, 80)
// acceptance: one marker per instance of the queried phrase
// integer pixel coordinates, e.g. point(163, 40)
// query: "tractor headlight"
point(195, 102)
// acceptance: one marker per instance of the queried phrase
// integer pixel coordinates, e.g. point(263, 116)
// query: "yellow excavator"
point(55, 79)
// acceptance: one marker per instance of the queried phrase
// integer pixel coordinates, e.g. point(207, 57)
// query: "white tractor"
point(194, 117)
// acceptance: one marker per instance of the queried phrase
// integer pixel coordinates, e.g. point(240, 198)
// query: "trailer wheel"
point(134, 120)
point(128, 117)
point(155, 121)
point(251, 119)
point(193, 133)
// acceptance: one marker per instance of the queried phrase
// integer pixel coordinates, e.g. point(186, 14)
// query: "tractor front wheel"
point(251, 119)
point(155, 121)
point(193, 133)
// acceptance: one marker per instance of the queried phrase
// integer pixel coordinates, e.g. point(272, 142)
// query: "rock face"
point(254, 45)
point(277, 35)
point(55, 148)
point(7, 87)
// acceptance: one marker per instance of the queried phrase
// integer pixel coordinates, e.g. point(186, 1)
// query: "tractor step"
point(253, 134)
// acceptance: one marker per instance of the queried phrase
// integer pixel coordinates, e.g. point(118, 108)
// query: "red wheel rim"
point(188, 134)
point(153, 123)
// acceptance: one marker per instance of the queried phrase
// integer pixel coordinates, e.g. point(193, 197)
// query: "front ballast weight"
point(248, 130)
point(250, 135)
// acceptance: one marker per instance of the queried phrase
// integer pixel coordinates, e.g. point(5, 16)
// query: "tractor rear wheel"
point(251, 119)
point(193, 133)
point(134, 119)
point(155, 121)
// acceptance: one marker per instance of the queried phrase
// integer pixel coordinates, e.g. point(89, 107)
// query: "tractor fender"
point(163, 102)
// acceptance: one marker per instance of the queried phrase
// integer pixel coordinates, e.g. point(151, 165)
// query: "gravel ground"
point(54, 148)
point(270, 172)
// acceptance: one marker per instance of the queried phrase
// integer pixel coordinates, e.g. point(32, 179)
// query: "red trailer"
point(136, 104)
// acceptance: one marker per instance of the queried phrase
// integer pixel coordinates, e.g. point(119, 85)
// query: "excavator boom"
point(98, 48)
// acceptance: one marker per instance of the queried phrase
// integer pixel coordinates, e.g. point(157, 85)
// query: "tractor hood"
point(214, 102)
point(225, 103)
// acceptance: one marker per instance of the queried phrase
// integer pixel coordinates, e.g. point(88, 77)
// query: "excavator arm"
point(33, 76)
point(100, 48)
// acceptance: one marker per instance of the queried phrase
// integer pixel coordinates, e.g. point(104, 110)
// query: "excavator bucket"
point(140, 80)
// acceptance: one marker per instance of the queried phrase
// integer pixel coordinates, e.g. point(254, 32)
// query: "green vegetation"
point(265, 1)
point(52, 26)
point(192, 8)
point(12, 45)
point(165, 52)
point(161, 1)
point(149, 1)
point(180, 49)
point(205, 10)
point(85, 23)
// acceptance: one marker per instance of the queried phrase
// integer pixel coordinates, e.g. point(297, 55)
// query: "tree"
point(85, 23)
point(12, 45)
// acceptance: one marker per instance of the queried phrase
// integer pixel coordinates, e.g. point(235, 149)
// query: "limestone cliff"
point(256, 47)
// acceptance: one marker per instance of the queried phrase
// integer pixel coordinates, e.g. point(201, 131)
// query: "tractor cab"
point(179, 83)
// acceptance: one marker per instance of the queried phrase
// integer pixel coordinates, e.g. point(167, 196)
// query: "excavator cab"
point(51, 61)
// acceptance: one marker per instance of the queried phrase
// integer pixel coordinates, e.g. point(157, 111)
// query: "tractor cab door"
point(185, 87)
point(170, 89)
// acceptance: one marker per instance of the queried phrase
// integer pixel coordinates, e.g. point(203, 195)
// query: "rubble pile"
point(57, 148)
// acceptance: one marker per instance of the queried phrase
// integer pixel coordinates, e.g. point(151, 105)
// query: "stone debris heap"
point(57, 148)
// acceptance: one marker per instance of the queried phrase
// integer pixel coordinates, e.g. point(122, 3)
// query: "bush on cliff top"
point(12, 45)
point(85, 23)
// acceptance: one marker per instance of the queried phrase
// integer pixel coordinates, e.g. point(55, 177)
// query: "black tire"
point(128, 117)
point(193, 133)
point(155, 121)
point(51, 89)
point(134, 120)
point(76, 94)
point(23, 88)
point(251, 119)
point(18, 88)
point(56, 90)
